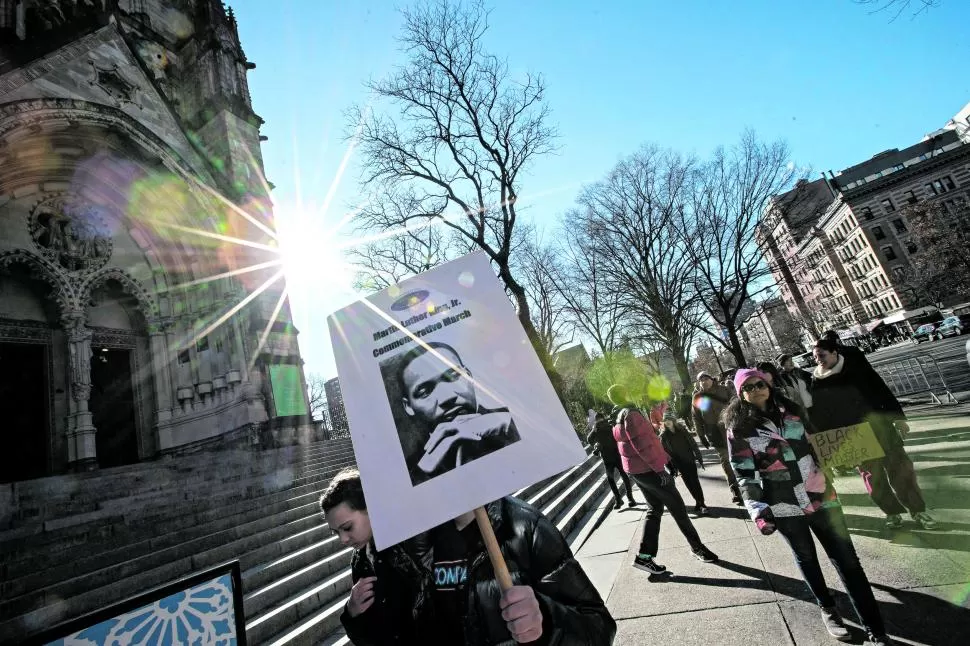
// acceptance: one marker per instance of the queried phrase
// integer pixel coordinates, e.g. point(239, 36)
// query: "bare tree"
point(457, 132)
point(547, 305)
point(388, 260)
point(318, 398)
point(898, 7)
point(731, 195)
point(579, 275)
point(939, 267)
point(630, 223)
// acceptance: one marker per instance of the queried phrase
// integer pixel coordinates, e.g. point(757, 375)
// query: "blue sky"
point(839, 83)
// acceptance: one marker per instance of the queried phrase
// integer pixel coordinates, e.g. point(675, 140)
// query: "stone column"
point(82, 452)
point(161, 367)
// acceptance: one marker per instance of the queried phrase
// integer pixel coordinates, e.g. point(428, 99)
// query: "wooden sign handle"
point(491, 546)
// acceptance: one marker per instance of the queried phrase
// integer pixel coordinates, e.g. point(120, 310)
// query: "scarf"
point(822, 373)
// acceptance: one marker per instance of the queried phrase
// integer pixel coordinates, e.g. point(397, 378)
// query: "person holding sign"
point(784, 489)
point(645, 460)
point(844, 394)
point(439, 587)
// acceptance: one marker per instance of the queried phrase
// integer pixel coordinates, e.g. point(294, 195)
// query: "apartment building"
point(845, 267)
point(873, 237)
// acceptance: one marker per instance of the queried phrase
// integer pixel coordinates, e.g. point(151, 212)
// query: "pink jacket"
point(638, 443)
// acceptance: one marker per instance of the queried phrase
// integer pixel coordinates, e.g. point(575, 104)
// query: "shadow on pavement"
point(924, 619)
point(728, 512)
point(921, 539)
point(916, 616)
point(758, 580)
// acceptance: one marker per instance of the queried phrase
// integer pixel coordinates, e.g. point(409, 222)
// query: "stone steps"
point(86, 571)
point(255, 530)
point(39, 500)
point(154, 523)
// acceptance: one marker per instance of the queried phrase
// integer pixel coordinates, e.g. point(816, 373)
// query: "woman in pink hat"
point(784, 489)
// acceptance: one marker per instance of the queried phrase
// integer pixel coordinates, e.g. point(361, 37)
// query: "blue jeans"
point(830, 529)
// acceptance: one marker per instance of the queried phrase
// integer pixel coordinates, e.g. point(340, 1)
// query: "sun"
point(313, 264)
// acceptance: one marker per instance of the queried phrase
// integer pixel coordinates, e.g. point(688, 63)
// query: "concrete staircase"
point(72, 544)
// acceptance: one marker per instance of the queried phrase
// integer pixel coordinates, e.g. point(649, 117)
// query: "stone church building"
point(142, 308)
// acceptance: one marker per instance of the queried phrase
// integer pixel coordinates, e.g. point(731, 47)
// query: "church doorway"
point(24, 392)
point(112, 406)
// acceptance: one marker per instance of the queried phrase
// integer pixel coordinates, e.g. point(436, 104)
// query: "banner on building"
point(448, 404)
point(848, 446)
point(288, 394)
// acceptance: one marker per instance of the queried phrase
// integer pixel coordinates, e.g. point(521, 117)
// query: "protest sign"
point(848, 446)
point(448, 405)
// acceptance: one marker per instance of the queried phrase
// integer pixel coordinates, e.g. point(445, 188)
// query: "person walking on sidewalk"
point(685, 457)
point(845, 394)
point(710, 399)
point(644, 459)
point(785, 490)
point(600, 437)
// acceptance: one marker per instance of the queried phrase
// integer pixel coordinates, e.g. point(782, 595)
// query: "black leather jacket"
point(402, 596)
point(537, 555)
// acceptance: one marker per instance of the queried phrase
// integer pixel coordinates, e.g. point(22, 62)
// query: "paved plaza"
point(755, 594)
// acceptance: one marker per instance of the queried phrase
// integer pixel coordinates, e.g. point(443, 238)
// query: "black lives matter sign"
point(847, 446)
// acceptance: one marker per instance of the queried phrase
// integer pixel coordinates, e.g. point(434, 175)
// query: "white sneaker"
point(894, 521)
point(925, 520)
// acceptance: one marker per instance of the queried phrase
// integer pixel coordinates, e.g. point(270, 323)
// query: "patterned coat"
point(777, 470)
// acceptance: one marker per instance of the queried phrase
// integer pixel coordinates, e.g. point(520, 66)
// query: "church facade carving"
point(111, 115)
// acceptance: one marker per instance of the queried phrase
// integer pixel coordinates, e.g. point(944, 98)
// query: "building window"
point(183, 357)
point(866, 213)
point(202, 344)
point(911, 197)
point(911, 247)
point(899, 225)
point(878, 233)
point(942, 185)
point(887, 205)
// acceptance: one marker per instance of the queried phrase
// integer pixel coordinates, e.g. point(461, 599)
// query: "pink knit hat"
point(744, 374)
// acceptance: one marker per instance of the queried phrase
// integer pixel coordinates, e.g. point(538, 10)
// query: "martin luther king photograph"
point(440, 422)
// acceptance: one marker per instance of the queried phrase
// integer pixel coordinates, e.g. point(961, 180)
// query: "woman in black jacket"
point(685, 457)
point(441, 588)
point(845, 394)
point(390, 599)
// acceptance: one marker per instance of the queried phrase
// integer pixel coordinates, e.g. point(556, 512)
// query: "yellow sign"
point(848, 446)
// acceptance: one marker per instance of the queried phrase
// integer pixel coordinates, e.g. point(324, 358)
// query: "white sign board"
point(448, 405)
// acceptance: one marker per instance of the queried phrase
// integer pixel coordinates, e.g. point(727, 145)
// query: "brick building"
point(839, 247)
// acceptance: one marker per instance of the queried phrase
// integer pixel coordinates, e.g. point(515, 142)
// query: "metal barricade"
point(915, 375)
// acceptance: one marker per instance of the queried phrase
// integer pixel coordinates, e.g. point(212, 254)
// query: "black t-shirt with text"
point(452, 551)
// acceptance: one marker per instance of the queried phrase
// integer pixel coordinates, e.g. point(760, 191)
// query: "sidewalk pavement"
point(755, 594)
